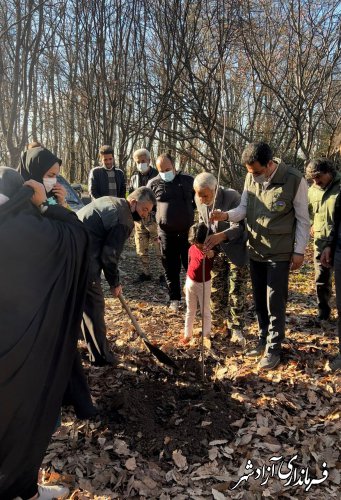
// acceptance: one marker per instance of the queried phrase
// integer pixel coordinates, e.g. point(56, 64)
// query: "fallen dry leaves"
point(162, 435)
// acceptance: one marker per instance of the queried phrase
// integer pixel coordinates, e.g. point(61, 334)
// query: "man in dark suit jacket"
point(110, 222)
point(229, 273)
point(107, 180)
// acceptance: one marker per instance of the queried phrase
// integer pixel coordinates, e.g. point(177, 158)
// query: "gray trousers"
point(270, 295)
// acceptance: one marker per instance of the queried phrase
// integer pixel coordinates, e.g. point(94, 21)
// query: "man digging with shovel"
point(110, 222)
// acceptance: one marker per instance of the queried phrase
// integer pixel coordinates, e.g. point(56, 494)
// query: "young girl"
point(194, 281)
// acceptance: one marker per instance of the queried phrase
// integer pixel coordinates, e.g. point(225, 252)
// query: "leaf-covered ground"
point(163, 435)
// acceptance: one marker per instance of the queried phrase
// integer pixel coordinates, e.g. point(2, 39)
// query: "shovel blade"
point(160, 355)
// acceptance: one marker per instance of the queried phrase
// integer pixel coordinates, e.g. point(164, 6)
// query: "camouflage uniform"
point(229, 273)
point(321, 211)
point(146, 230)
point(228, 293)
point(146, 233)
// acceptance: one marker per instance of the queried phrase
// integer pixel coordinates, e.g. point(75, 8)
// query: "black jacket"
point(175, 203)
point(137, 179)
point(110, 223)
point(99, 184)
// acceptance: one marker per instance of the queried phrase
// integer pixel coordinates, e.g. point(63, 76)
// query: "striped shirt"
point(112, 182)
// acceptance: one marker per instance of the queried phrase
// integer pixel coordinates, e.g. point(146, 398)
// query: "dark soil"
point(159, 416)
point(160, 410)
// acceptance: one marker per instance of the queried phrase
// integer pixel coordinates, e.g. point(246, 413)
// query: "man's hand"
point(39, 195)
point(213, 240)
point(296, 261)
point(218, 215)
point(59, 192)
point(210, 254)
point(326, 257)
point(116, 290)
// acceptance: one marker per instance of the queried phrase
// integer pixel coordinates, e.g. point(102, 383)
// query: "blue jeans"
point(270, 295)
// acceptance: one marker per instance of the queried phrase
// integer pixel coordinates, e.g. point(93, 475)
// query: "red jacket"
point(195, 265)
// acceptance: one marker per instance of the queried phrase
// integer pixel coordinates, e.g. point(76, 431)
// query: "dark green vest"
point(321, 210)
point(270, 215)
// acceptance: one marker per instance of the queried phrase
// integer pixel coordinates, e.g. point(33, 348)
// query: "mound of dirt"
point(160, 416)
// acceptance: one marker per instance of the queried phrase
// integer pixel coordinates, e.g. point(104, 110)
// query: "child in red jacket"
point(195, 281)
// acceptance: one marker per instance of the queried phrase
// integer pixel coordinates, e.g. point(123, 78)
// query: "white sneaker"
point(174, 305)
point(50, 492)
point(237, 337)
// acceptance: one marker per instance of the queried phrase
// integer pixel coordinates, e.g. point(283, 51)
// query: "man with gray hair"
point(229, 273)
point(110, 222)
point(145, 229)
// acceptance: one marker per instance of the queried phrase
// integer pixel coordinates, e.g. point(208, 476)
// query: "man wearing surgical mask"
point(275, 204)
point(174, 216)
point(145, 229)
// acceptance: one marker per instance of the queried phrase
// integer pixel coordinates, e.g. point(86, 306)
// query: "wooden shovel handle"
point(155, 351)
point(132, 317)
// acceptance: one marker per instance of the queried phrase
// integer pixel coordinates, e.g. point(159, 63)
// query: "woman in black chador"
point(43, 273)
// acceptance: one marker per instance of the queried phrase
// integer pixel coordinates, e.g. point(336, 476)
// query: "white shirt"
point(300, 203)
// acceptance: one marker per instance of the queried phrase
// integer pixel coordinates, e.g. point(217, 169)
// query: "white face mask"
point(259, 178)
point(167, 176)
point(3, 198)
point(49, 183)
point(142, 167)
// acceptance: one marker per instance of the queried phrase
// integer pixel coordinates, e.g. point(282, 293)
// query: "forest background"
point(167, 75)
point(163, 74)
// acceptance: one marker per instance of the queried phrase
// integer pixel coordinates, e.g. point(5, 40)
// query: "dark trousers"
point(30, 479)
point(77, 392)
point(337, 270)
point(174, 251)
point(93, 326)
point(323, 282)
point(270, 295)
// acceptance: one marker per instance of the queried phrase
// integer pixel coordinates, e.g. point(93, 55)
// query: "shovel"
point(160, 356)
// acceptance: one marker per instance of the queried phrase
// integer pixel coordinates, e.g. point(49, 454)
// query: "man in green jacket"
point(322, 195)
point(275, 204)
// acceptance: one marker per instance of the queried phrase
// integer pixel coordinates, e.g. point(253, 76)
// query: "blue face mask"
point(167, 176)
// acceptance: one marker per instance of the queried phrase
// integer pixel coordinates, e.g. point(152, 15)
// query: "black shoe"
point(323, 316)
point(143, 277)
point(257, 351)
point(269, 361)
point(86, 413)
point(111, 361)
